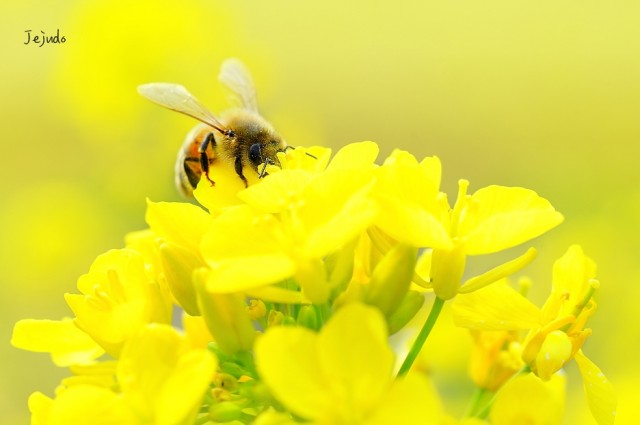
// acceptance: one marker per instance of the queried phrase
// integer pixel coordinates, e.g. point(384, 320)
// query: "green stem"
point(436, 308)
point(479, 396)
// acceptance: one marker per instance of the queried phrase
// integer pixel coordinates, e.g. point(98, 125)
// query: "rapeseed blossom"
point(274, 304)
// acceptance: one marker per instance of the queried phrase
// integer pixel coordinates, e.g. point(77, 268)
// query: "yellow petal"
point(245, 250)
point(249, 272)
point(529, 400)
point(356, 358)
point(161, 377)
point(408, 222)
point(89, 405)
point(313, 159)
point(196, 331)
point(228, 184)
point(277, 192)
point(146, 362)
point(286, 358)
point(572, 273)
point(337, 208)
point(39, 406)
point(355, 155)
point(180, 223)
point(335, 377)
point(67, 344)
point(241, 231)
point(119, 296)
point(500, 217)
point(402, 175)
point(600, 394)
point(182, 392)
point(495, 307)
point(410, 206)
point(410, 400)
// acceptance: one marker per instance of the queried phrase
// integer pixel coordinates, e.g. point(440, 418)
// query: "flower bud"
point(225, 411)
point(391, 278)
point(410, 305)
point(447, 268)
point(340, 266)
point(554, 353)
point(308, 317)
point(256, 309)
point(275, 318)
point(178, 265)
point(225, 315)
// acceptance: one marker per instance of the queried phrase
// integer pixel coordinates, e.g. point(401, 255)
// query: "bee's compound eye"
point(255, 155)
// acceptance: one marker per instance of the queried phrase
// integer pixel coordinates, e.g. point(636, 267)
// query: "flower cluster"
point(274, 304)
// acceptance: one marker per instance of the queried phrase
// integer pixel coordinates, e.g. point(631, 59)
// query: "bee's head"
point(265, 151)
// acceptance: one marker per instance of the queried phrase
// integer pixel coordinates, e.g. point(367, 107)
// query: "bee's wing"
point(237, 79)
point(177, 98)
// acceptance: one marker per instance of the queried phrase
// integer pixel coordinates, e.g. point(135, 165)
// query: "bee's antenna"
point(293, 148)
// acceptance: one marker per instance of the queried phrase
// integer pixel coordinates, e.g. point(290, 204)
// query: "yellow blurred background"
point(544, 96)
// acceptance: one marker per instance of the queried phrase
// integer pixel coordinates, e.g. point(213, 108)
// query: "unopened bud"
point(275, 318)
point(447, 268)
point(226, 317)
point(308, 317)
point(225, 411)
point(554, 353)
point(256, 309)
point(178, 265)
point(340, 266)
point(410, 305)
point(391, 278)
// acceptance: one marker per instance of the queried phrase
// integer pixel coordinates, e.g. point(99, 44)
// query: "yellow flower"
point(296, 282)
point(347, 370)
point(415, 212)
point(160, 380)
point(118, 298)
point(556, 332)
point(492, 219)
point(412, 209)
point(289, 223)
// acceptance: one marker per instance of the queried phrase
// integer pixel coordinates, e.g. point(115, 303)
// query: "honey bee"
point(241, 136)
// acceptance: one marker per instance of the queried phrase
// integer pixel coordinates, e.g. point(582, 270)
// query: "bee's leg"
point(238, 167)
point(204, 158)
point(191, 171)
